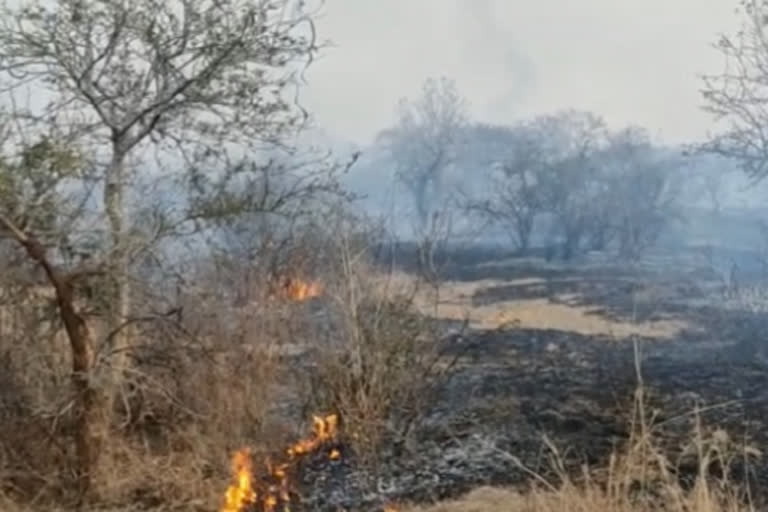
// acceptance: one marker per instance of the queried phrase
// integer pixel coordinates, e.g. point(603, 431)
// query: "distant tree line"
point(594, 188)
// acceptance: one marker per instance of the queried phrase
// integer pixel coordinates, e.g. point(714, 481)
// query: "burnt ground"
point(514, 387)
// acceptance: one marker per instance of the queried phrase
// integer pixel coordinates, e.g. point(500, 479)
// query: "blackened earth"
point(517, 393)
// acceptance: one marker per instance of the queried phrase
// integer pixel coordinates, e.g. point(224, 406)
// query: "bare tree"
point(512, 156)
point(198, 96)
point(569, 142)
point(641, 189)
point(424, 143)
point(738, 96)
point(191, 83)
point(31, 202)
point(713, 187)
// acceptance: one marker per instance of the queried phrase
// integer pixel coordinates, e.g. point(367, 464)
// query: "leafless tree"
point(30, 203)
point(569, 142)
point(642, 188)
point(191, 82)
point(196, 95)
point(737, 97)
point(713, 187)
point(425, 142)
point(512, 198)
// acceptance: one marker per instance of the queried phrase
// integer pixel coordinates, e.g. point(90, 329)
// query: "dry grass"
point(385, 365)
point(198, 391)
point(202, 392)
point(570, 499)
point(543, 314)
point(206, 385)
point(640, 477)
point(454, 302)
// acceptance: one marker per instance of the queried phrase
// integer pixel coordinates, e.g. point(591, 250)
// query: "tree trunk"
point(524, 231)
point(422, 203)
point(571, 244)
point(89, 414)
point(599, 239)
point(118, 308)
point(88, 406)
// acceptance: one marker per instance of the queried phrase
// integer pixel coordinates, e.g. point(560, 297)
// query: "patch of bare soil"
point(565, 370)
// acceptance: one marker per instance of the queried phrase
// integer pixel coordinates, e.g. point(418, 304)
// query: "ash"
point(518, 393)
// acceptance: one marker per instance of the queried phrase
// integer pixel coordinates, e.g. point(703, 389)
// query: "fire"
point(300, 290)
point(241, 492)
point(274, 488)
point(323, 430)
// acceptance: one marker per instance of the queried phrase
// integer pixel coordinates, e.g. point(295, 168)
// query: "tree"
point(569, 142)
point(737, 97)
point(30, 203)
point(190, 94)
point(512, 156)
point(192, 83)
point(425, 142)
point(641, 190)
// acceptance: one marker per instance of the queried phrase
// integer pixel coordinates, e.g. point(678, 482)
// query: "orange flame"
point(241, 492)
point(323, 430)
point(299, 290)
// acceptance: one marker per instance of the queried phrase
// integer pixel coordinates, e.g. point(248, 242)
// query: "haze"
point(520, 244)
point(632, 62)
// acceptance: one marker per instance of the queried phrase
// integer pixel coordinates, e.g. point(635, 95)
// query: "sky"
point(632, 61)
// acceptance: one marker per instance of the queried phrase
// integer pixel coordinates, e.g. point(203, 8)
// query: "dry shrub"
point(204, 382)
point(383, 366)
point(35, 415)
point(200, 390)
point(694, 476)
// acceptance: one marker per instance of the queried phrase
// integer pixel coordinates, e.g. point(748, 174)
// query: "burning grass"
point(381, 371)
point(271, 491)
point(298, 290)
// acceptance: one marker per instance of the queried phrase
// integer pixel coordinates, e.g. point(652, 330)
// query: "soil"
point(517, 394)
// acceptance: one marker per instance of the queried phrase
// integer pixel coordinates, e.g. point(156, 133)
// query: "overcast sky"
point(629, 60)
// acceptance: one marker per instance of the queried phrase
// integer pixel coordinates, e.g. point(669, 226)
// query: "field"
point(550, 358)
point(582, 386)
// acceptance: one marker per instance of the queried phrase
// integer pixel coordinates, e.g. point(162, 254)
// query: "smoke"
point(500, 67)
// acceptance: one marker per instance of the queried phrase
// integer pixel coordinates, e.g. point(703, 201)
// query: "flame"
point(300, 290)
point(241, 492)
point(323, 430)
point(275, 486)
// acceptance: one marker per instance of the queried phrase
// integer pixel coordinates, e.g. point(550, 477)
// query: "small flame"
point(242, 493)
point(299, 290)
point(323, 430)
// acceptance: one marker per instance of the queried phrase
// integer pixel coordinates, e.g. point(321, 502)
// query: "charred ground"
point(543, 377)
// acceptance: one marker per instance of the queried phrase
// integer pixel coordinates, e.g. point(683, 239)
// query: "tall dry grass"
point(212, 381)
point(210, 375)
point(203, 383)
point(641, 476)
